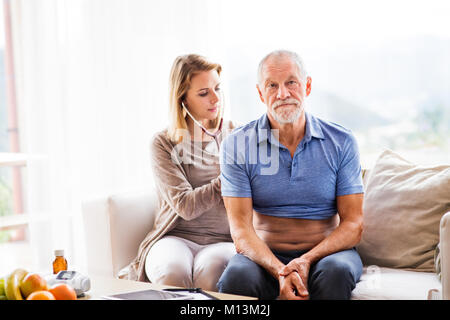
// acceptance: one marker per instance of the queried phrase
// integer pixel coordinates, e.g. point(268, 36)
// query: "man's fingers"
point(289, 294)
point(286, 270)
point(300, 286)
point(292, 288)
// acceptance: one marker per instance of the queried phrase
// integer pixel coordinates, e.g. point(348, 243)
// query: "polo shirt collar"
point(313, 129)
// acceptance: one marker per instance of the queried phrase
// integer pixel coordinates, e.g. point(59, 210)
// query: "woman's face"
point(204, 99)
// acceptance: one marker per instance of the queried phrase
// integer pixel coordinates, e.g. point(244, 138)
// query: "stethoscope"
point(213, 135)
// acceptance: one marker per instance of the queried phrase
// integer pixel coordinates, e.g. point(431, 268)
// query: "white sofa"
point(115, 225)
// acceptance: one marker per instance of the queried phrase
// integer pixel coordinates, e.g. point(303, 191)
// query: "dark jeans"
point(333, 277)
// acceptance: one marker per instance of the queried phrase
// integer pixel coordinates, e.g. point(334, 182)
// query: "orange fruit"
point(62, 291)
point(31, 283)
point(41, 295)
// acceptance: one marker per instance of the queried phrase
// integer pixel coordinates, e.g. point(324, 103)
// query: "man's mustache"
point(278, 103)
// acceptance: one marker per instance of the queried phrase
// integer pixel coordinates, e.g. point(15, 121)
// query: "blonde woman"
point(190, 244)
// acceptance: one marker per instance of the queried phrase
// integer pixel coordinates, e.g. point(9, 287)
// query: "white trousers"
point(179, 262)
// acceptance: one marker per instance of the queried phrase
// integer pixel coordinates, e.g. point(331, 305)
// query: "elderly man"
point(294, 227)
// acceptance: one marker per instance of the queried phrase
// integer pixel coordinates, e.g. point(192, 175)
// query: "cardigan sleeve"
point(174, 188)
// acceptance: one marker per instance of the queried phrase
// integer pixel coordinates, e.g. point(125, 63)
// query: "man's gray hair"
point(283, 53)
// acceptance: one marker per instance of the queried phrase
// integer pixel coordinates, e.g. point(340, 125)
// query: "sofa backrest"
point(114, 227)
point(132, 216)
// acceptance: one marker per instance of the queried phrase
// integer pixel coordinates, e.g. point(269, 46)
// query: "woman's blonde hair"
point(184, 68)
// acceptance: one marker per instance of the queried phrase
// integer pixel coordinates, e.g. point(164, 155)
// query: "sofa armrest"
point(444, 234)
point(97, 233)
point(114, 228)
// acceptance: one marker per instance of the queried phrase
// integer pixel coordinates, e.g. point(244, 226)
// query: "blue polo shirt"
point(254, 164)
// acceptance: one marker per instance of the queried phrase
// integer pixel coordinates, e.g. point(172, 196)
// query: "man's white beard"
point(284, 117)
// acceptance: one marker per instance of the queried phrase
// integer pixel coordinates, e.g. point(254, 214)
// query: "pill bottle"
point(60, 263)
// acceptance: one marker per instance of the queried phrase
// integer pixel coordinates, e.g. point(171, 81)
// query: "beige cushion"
point(403, 206)
point(394, 284)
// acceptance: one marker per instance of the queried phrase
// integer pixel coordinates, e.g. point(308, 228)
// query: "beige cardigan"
point(176, 198)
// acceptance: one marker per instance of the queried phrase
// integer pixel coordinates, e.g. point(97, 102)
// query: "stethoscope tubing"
point(213, 135)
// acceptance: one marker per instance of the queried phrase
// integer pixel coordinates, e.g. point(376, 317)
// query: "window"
point(13, 223)
point(380, 69)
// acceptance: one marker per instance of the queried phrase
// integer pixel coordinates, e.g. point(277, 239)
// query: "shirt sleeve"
point(234, 178)
point(349, 178)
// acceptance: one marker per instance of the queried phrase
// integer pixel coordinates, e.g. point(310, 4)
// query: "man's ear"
point(308, 85)
point(260, 94)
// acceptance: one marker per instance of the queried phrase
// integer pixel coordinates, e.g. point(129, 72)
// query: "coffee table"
point(102, 286)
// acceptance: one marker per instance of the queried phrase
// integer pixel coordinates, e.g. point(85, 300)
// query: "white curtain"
point(92, 79)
